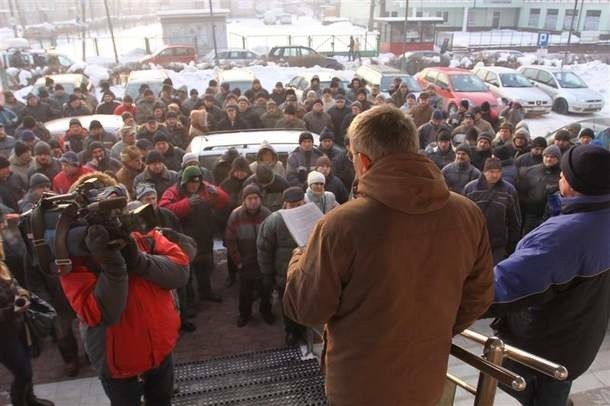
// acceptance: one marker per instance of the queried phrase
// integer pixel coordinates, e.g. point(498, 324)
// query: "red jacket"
point(121, 108)
point(131, 318)
point(179, 204)
point(62, 182)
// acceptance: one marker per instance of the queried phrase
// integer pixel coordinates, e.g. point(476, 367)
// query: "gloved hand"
point(109, 258)
point(131, 253)
point(195, 200)
point(302, 174)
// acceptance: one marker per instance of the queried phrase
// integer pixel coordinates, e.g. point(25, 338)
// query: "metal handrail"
point(541, 365)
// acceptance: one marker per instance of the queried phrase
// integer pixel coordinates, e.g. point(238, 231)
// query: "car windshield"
point(326, 83)
point(569, 80)
point(387, 81)
point(242, 85)
point(514, 80)
point(467, 83)
point(133, 88)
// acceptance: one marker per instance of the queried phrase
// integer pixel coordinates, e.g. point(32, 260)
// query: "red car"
point(170, 54)
point(453, 85)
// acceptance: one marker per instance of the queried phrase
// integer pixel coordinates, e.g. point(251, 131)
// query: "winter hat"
point(55, 144)
point(587, 169)
point(154, 157)
point(95, 145)
point(74, 121)
point(43, 93)
point(464, 148)
point(539, 142)
point(506, 125)
point(522, 133)
point(552, 150)
point(502, 152)
point(4, 163)
point(160, 136)
point(522, 124)
point(357, 104)
point(293, 194)
point(562, 135)
point(73, 97)
point(361, 91)
point(327, 134)
point(443, 135)
point(95, 124)
point(144, 189)
point(471, 134)
point(42, 148)
point(127, 130)
point(573, 127)
point(437, 115)
point(21, 148)
point(318, 101)
point(464, 104)
point(315, 177)
point(323, 161)
point(587, 132)
point(305, 136)
point(70, 158)
point(188, 158)
point(264, 174)
point(484, 136)
point(475, 109)
point(411, 95)
point(131, 153)
point(39, 179)
point(191, 173)
point(240, 164)
point(144, 144)
point(492, 163)
point(251, 189)
point(27, 135)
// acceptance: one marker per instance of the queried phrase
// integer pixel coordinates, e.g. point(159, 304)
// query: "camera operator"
point(14, 347)
point(124, 301)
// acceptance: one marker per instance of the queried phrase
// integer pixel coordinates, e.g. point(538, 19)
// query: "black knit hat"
point(327, 134)
point(95, 124)
point(293, 194)
point(587, 132)
point(464, 148)
point(502, 152)
point(587, 169)
point(539, 142)
point(153, 157)
point(39, 179)
point(562, 135)
point(443, 135)
point(21, 148)
point(251, 189)
point(241, 164)
point(160, 136)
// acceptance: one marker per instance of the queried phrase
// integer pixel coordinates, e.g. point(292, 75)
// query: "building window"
point(444, 15)
point(534, 17)
point(592, 20)
point(419, 14)
point(567, 20)
point(551, 19)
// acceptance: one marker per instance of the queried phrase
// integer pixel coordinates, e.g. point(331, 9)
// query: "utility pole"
point(213, 34)
point(372, 16)
point(20, 15)
point(572, 21)
point(13, 18)
point(404, 27)
point(116, 55)
point(84, 29)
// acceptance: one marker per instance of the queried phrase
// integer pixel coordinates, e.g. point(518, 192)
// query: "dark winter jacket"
point(161, 182)
point(299, 164)
point(75, 141)
point(173, 158)
point(343, 168)
point(240, 237)
point(274, 245)
point(106, 108)
point(525, 161)
point(272, 193)
point(553, 293)
point(270, 119)
point(6, 146)
point(81, 110)
point(315, 122)
point(479, 157)
point(107, 140)
point(290, 122)
point(458, 175)
point(11, 190)
point(428, 131)
point(41, 112)
point(421, 114)
point(500, 205)
point(251, 119)
point(48, 170)
point(440, 158)
point(337, 116)
point(336, 186)
point(534, 187)
point(238, 124)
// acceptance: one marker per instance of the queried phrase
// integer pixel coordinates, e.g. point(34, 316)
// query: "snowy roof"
point(197, 12)
point(410, 19)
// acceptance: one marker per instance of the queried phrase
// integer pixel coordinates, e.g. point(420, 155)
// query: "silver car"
point(511, 86)
point(232, 57)
point(569, 92)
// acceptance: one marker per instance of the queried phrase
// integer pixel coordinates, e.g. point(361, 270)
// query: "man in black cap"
point(302, 160)
point(552, 293)
point(317, 119)
point(428, 131)
point(38, 185)
point(466, 124)
point(274, 245)
point(563, 140)
point(11, 187)
point(98, 134)
point(7, 142)
point(40, 111)
point(149, 128)
point(56, 108)
point(442, 154)
point(156, 173)
point(71, 170)
point(533, 157)
point(76, 107)
point(482, 150)
point(290, 119)
point(108, 104)
point(455, 119)
point(99, 159)
point(43, 161)
point(586, 136)
point(172, 156)
point(270, 184)
point(337, 113)
point(461, 171)
point(278, 94)
point(341, 165)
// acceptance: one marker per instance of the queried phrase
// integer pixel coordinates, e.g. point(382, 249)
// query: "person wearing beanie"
point(38, 185)
point(455, 119)
point(76, 107)
point(337, 113)
point(422, 112)
point(232, 120)
point(467, 123)
point(255, 90)
point(12, 187)
point(290, 118)
point(460, 172)
point(131, 166)
point(573, 130)
point(98, 134)
point(521, 143)
point(271, 115)
point(149, 128)
point(563, 140)
point(127, 135)
point(503, 215)
point(274, 246)
point(316, 193)
point(442, 154)
point(108, 104)
point(43, 161)
point(586, 136)
point(156, 172)
point(234, 183)
point(21, 161)
point(199, 205)
point(71, 170)
point(428, 132)
point(356, 108)
point(536, 184)
point(246, 113)
point(509, 170)
point(317, 119)
point(240, 238)
point(560, 312)
point(172, 156)
point(34, 108)
point(332, 183)
point(99, 158)
point(302, 160)
point(270, 184)
point(7, 142)
point(533, 157)
point(266, 155)
point(28, 137)
point(513, 113)
point(342, 167)
point(75, 136)
point(482, 150)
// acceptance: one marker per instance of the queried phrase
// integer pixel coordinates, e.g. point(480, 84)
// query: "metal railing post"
point(486, 388)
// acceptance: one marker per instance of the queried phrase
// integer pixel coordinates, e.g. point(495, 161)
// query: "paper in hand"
point(300, 221)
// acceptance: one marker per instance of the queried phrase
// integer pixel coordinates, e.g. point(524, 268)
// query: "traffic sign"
point(543, 39)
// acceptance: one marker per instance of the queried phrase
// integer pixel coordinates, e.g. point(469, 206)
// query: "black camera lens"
point(20, 302)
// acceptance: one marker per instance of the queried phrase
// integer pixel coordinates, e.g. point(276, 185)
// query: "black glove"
point(97, 240)
point(131, 254)
point(195, 200)
point(302, 174)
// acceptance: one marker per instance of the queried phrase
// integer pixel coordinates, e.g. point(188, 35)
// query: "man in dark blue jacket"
point(553, 293)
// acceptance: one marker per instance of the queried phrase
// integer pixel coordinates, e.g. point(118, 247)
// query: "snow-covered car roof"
point(223, 140)
point(110, 122)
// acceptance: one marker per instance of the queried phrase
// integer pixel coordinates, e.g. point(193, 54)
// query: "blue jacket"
point(553, 293)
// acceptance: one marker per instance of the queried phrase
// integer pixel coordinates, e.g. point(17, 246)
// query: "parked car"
point(511, 86)
point(302, 82)
point(383, 76)
point(26, 58)
point(237, 78)
point(111, 123)
point(415, 61)
point(153, 78)
point(172, 54)
point(499, 57)
point(454, 84)
point(569, 92)
point(69, 81)
point(599, 125)
point(301, 56)
point(211, 146)
point(232, 57)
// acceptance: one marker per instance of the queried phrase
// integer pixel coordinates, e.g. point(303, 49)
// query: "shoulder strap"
point(66, 220)
point(36, 236)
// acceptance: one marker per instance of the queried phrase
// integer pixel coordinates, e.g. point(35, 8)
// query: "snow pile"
point(96, 74)
point(597, 76)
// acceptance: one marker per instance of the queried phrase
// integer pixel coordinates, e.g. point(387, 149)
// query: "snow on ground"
point(505, 38)
point(597, 76)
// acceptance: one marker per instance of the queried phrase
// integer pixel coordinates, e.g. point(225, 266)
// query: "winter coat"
point(500, 205)
point(347, 121)
point(440, 158)
point(107, 164)
point(315, 122)
point(20, 168)
point(233, 187)
point(509, 171)
point(41, 112)
point(512, 116)
point(534, 187)
point(483, 126)
point(479, 157)
point(227, 125)
point(75, 141)
point(274, 245)
point(336, 187)
point(325, 203)
point(63, 182)
point(106, 108)
point(421, 114)
point(458, 175)
point(270, 119)
point(272, 193)
point(144, 109)
point(342, 166)
point(6, 146)
point(8, 119)
point(48, 170)
point(126, 177)
point(290, 122)
point(121, 310)
point(11, 191)
point(173, 158)
point(81, 110)
point(427, 133)
point(240, 237)
point(178, 136)
point(107, 140)
point(355, 279)
point(161, 182)
point(337, 116)
point(553, 293)
point(251, 119)
point(299, 164)
point(525, 161)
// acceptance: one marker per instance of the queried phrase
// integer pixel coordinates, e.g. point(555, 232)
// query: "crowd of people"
point(512, 175)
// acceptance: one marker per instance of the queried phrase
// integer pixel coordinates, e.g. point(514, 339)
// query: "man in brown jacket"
point(371, 271)
point(422, 113)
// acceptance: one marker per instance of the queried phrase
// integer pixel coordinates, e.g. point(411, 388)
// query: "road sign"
point(543, 39)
